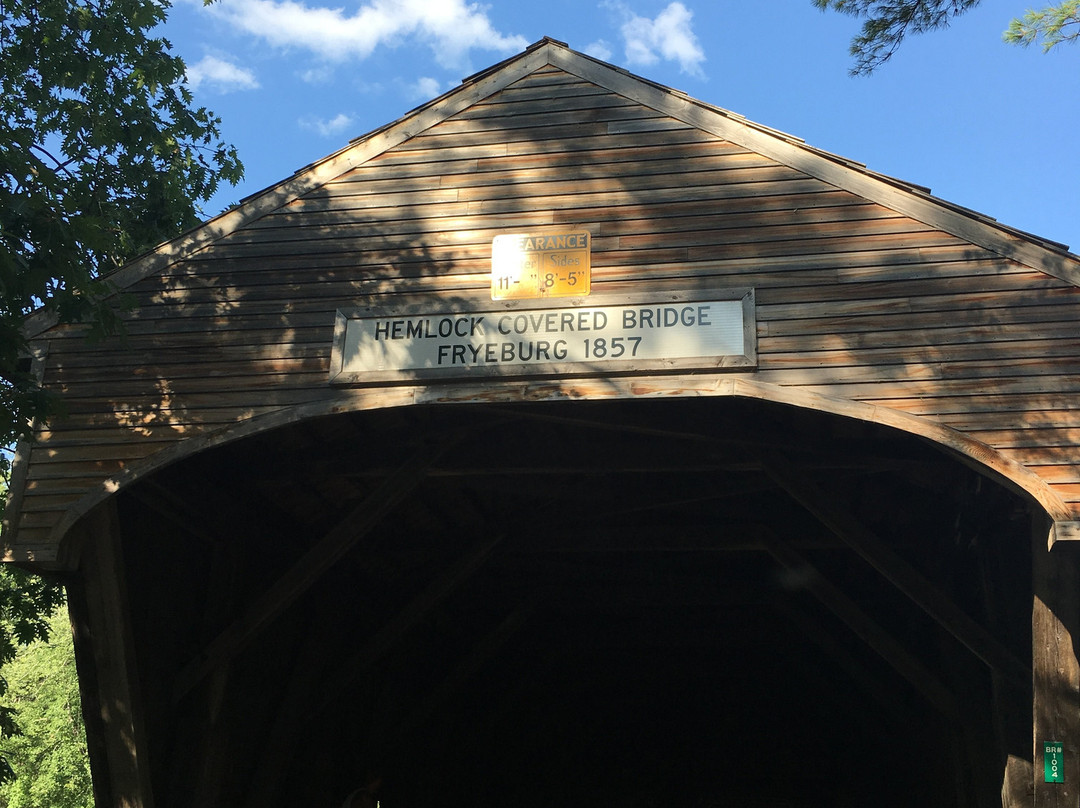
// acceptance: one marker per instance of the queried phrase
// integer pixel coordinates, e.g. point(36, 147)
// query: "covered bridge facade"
point(781, 511)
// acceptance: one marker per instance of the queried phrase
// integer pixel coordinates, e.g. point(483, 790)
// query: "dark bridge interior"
point(681, 602)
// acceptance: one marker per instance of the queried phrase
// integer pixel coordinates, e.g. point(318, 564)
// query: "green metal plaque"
point(1053, 761)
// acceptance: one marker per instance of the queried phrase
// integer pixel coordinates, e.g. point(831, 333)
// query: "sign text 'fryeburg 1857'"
point(672, 331)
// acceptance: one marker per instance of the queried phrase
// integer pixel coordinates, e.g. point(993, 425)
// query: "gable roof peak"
point(905, 198)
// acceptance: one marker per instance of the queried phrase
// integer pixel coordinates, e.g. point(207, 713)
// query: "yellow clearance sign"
point(530, 266)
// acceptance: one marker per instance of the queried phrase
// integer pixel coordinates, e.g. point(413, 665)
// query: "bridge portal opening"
point(694, 602)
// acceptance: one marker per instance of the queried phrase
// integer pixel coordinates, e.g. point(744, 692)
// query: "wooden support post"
point(296, 693)
point(106, 659)
point(1017, 783)
point(1055, 630)
point(201, 764)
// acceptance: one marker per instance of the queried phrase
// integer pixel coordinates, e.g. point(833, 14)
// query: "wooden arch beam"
point(886, 646)
point(983, 458)
point(987, 460)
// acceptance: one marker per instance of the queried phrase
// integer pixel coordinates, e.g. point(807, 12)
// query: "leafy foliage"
point(1053, 25)
point(887, 22)
point(49, 755)
point(101, 156)
point(26, 603)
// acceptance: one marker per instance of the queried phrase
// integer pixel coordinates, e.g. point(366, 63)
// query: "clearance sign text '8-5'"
point(530, 266)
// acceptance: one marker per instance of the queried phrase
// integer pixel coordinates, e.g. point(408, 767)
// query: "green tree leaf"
point(886, 23)
point(102, 157)
point(1052, 25)
point(47, 757)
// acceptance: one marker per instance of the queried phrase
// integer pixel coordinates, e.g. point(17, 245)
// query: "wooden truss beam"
point(309, 569)
point(363, 659)
point(481, 654)
point(309, 676)
point(884, 644)
point(897, 571)
point(883, 697)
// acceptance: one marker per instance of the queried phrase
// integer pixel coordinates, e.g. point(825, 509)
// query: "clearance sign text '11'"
point(532, 265)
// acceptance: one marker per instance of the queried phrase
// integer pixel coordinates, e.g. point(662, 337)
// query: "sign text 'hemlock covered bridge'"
point(573, 442)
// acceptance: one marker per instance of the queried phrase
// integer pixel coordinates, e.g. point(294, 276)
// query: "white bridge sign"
point(479, 337)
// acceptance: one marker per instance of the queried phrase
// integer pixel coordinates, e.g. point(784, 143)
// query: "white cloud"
point(449, 27)
point(600, 49)
point(669, 36)
point(221, 75)
point(334, 126)
point(317, 75)
point(425, 88)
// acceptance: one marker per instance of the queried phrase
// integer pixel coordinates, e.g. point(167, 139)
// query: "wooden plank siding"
point(856, 300)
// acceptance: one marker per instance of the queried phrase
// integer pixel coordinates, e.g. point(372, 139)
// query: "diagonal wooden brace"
point(898, 572)
point(310, 568)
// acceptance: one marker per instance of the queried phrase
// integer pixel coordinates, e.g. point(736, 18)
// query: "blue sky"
point(983, 124)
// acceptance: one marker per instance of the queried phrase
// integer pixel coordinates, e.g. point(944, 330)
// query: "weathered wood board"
point(871, 295)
